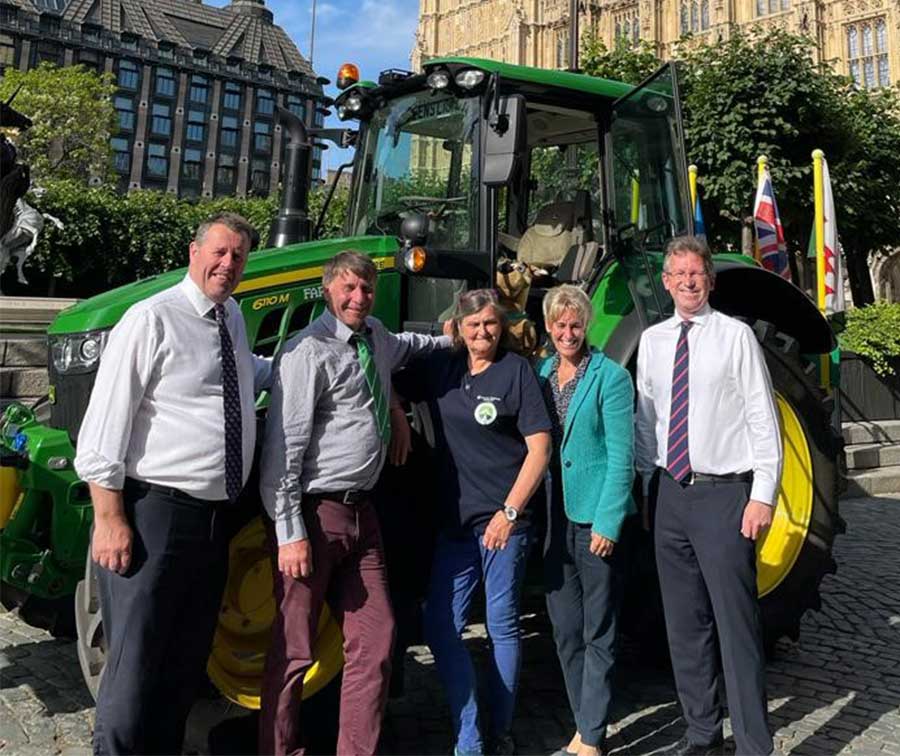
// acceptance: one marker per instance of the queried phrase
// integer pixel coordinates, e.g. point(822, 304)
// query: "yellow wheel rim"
point(778, 549)
point(245, 623)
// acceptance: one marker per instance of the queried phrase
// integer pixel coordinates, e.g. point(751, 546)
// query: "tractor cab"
point(495, 174)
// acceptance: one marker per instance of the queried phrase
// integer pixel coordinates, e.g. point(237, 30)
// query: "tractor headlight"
point(353, 103)
point(77, 352)
point(470, 78)
point(438, 80)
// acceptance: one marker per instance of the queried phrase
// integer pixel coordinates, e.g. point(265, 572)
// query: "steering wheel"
point(440, 205)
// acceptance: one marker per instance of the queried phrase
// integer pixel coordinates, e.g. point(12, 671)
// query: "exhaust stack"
point(292, 224)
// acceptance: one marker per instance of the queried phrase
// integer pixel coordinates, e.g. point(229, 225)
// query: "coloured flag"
point(834, 266)
point(699, 225)
point(771, 247)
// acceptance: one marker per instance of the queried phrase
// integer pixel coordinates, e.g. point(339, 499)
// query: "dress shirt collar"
point(339, 329)
point(200, 302)
point(698, 319)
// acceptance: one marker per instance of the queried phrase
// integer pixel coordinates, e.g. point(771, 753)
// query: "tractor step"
point(872, 432)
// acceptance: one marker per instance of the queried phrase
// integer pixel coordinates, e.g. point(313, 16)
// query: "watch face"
point(511, 513)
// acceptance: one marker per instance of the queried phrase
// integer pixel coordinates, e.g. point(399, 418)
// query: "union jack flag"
point(771, 249)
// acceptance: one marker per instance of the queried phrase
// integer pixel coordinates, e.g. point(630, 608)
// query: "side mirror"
point(505, 140)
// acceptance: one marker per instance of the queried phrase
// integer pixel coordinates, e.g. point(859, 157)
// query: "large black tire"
point(794, 379)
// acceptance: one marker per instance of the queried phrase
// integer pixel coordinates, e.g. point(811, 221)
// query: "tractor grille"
point(72, 395)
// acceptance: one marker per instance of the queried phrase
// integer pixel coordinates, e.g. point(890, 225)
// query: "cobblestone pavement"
point(836, 691)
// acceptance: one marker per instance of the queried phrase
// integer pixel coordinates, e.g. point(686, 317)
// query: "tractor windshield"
point(417, 156)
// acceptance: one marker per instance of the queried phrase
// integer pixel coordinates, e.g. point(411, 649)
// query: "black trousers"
point(158, 620)
point(584, 592)
point(707, 574)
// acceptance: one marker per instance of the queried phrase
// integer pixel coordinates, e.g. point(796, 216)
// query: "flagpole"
point(692, 180)
point(819, 208)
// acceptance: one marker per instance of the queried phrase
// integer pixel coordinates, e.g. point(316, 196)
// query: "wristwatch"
point(512, 514)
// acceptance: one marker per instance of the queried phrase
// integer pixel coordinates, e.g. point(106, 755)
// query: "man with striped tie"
point(708, 448)
point(327, 435)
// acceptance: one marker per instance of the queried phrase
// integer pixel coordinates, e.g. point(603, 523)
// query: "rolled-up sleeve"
point(296, 387)
point(126, 368)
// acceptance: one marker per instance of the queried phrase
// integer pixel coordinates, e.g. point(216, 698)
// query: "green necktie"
point(380, 403)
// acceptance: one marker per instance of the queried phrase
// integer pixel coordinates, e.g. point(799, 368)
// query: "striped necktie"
point(379, 400)
point(679, 460)
point(231, 400)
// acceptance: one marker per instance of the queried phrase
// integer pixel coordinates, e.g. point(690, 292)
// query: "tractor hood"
point(266, 269)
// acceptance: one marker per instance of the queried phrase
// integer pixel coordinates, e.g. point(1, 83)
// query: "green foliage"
point(874, 333)
point(623, 63)
point(111, 239)
point(73, 116)
point(336, 216)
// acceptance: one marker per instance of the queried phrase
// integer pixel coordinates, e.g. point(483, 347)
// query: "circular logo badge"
point(485, 413)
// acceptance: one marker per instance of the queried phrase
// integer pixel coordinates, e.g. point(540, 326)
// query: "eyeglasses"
point(683, 276)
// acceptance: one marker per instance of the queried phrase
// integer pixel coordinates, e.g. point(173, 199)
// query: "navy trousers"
point(159, 619)
point(707, 574)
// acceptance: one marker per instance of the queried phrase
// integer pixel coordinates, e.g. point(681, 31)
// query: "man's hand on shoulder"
point(111, 543)
point(757, 517)
point(295, 559)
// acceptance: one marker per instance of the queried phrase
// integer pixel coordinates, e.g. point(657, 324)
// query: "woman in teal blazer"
point(590, 399)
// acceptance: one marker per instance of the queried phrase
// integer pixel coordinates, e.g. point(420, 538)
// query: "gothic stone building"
point(862, 37)
point(197, 85)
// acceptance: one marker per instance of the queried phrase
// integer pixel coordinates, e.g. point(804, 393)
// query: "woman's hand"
point(601, 546)
point(498, 532)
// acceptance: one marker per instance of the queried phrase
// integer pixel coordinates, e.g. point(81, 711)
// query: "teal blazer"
point(597, 454)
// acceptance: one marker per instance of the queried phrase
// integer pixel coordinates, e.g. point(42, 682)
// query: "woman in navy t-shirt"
point(492, 447)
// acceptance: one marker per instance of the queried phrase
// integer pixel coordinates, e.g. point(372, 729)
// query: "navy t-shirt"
point(480, 426)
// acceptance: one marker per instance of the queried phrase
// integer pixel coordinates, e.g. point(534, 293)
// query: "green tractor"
point(469, 167)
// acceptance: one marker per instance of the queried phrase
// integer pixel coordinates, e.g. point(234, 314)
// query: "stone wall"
point(23, 368)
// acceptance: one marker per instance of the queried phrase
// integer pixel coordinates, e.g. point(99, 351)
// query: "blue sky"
point(374, 34)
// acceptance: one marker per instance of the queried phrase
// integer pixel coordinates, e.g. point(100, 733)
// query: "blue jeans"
point(460, 564)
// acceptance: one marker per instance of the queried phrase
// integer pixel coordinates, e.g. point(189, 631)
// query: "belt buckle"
point(689, 480)
point(348, 497)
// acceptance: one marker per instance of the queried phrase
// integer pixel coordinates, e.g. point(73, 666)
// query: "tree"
point(73, 119)
point(623, 63)
point(761, 93)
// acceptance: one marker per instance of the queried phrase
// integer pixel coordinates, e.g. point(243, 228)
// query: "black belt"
point(694, 478)
point(354, 496)
point(173, 493)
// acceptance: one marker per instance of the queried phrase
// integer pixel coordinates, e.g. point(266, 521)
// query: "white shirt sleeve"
point(125, 371)
point(296, 387)
point(761, 417)
point(645, 418)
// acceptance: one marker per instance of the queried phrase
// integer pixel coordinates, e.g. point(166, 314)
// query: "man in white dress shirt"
point(166, 443)
point(708, 448)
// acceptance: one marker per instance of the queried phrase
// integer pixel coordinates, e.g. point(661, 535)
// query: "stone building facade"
point(861, 37)
point(197, 85)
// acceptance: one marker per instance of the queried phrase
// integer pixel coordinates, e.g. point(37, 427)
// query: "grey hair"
point(685, 245)
point(233, 222)
point(349, 260)
point(470, 302)
point(567, 297)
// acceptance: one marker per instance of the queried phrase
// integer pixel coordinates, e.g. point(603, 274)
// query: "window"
point(192, 167)
point(165, 82)
point(90, 34)
point(129, 42)
point(297, 106)
point(694, 16)
point(157, 161)
point(47, 51)
point(233, 65)
point(201, 57)
point(628, 27)
point(229, 135)
point(121, 154)
point(161, 123)
point(562, 48)
point(125, 108)
point(265, 102)
point(259, 178)
point(225, 172)
point(867, 53)
point(265, 72)
point(7, 50)
point(49, 24)
point(196, 126)
point(766, 7)
point(166, 51)
point(231, 99)
point(89, 59)
point(262, 139)
point(8, 15)
point(129, 75)
point(199, 89)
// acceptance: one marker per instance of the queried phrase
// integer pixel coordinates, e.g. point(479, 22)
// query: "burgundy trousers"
point(348, 572)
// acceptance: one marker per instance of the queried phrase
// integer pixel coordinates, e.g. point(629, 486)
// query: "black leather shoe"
point(685, 747)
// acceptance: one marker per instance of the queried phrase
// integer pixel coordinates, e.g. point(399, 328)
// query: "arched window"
point(704, 14)
point(695, 16)
point(685, 21)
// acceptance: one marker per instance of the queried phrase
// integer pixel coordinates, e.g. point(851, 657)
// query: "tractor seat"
point(547, 241)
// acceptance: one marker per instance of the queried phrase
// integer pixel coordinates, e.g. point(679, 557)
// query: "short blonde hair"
point(567, 297)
